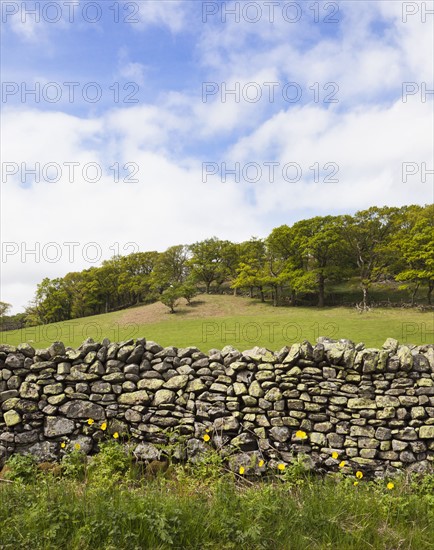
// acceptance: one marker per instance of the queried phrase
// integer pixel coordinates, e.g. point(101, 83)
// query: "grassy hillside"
point(217, 320)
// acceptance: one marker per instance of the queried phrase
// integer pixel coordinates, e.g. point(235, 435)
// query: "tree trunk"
point(235, 291)
point(278, 295)
point(430, 289)
point(413, 294)
point(251, 292)
point(365, 296)
point(208, 284)
point(321, 291)
point(261, 290)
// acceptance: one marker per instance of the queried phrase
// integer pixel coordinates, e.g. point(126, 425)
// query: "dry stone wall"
point(371, 408)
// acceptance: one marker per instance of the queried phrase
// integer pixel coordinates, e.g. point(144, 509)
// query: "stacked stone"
point(373, 409)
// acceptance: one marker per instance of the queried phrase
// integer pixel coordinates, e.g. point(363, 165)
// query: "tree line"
point(386, 243)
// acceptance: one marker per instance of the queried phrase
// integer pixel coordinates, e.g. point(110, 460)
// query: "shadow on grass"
point(195, 303)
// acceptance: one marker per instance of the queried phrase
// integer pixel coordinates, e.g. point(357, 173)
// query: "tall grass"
point(205, 507)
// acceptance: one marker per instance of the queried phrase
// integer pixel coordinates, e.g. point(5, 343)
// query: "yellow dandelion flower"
point(77, 446)
point(241, 470)
point(90, 421)
point(104, 426)
point(281, 467)
point(390, 485)
point(63, 444)
point(342, 464)
point(261, 463)
point(355, 483)
point(359, 474)
point(335, 455)
point(116, 435)
point(300, 434)
point(206, 437)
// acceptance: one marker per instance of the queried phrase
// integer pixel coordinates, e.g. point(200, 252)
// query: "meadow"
point(213, 321)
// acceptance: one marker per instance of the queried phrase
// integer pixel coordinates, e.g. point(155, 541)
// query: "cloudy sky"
point(139, 125)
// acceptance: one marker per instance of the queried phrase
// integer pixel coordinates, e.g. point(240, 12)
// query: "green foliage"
point(412, 250)
point(208, 467)
point(297, 472)
point(4, 308)
point(423, 484)
point(213, 261)
point(250, 271)
point(170, 268)
point(110, 465)
point(291, 263)
point(74, 465)
point(367, 235)
point(21, 468)
point(225, 513)
point(170, 297)
point(188, 290)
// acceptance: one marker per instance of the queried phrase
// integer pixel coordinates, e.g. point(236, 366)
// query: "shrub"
point(21, 468)
point(74, 465)
point(111, 464)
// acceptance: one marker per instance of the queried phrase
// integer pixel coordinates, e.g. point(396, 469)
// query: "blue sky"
point(337, 102)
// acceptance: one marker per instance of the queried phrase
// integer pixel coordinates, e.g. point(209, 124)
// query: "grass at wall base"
point(111, 502)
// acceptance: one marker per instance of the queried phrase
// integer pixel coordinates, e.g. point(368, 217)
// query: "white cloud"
point(368, 145)
point(369, 134)
point(366, 63)
point(172, 14)
point(170, 204)
point(131, 70)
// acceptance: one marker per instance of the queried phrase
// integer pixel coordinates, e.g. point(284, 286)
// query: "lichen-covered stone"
point(53, 389)
point(426, 432)
point(387, 401)
point(281, 434)
point(82, 409)
point(318, 438)
point(196, 386)
point(134, 398)
point(163, 396)
point(255, 389)
point(361, 403)
point(177, 382)
point(57, 426)
point(150, 384)
point(12, 418)
point(29, 390)
point(362, 431)
point(405, 358)
point(147, 452)
point(240, 388)
point(273, 395)
point(226, 424)
point(374, 407)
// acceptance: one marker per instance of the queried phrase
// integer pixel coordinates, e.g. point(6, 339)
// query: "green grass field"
point(214, 321)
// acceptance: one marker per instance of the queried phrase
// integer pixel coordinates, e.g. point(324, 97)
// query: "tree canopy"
point(395, 244)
